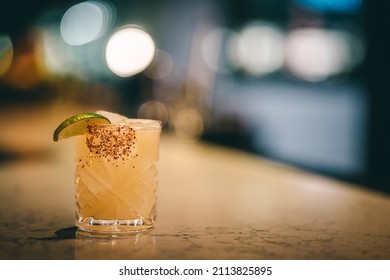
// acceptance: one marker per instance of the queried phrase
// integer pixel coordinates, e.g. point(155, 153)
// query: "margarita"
point(116, 174)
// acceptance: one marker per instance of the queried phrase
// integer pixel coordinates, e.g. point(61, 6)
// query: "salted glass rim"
point(135, 123)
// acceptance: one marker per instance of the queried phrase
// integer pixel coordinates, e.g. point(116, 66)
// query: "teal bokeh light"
point(338, 6)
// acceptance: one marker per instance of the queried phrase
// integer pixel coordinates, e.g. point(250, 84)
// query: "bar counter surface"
point(213, 203)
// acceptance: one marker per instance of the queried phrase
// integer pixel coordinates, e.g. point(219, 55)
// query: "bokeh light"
point(57, 56)
point(86, 62)
point(154, 110)
point(356, 47)
point(189, 124)
point(6, 53)
point(342, 6)
point(315, 54)
point(260, 48)
point(129, 51)
point(161, 66)
point(218, 47)
point(86, 22)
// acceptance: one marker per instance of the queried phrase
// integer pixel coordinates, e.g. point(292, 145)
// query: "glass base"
point(113, 227)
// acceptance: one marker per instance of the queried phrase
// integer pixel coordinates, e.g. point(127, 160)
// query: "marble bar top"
point(213, 203)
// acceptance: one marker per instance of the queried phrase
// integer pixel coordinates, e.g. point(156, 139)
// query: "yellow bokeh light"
point(153, 110)
point(189, 124)
point(129, 51)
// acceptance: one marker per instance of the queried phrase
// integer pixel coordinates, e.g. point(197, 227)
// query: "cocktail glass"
point(116, 176)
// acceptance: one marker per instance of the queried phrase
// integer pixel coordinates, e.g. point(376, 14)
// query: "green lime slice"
point(78, 125)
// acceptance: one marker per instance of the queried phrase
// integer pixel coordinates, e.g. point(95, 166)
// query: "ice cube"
point(113, 117)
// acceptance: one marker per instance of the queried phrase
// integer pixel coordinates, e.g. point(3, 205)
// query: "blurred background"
point(303, 82)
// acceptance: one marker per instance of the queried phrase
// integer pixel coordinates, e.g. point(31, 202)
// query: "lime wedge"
point(78, 125)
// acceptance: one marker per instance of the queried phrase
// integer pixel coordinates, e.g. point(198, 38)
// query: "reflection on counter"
point(139, 246)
